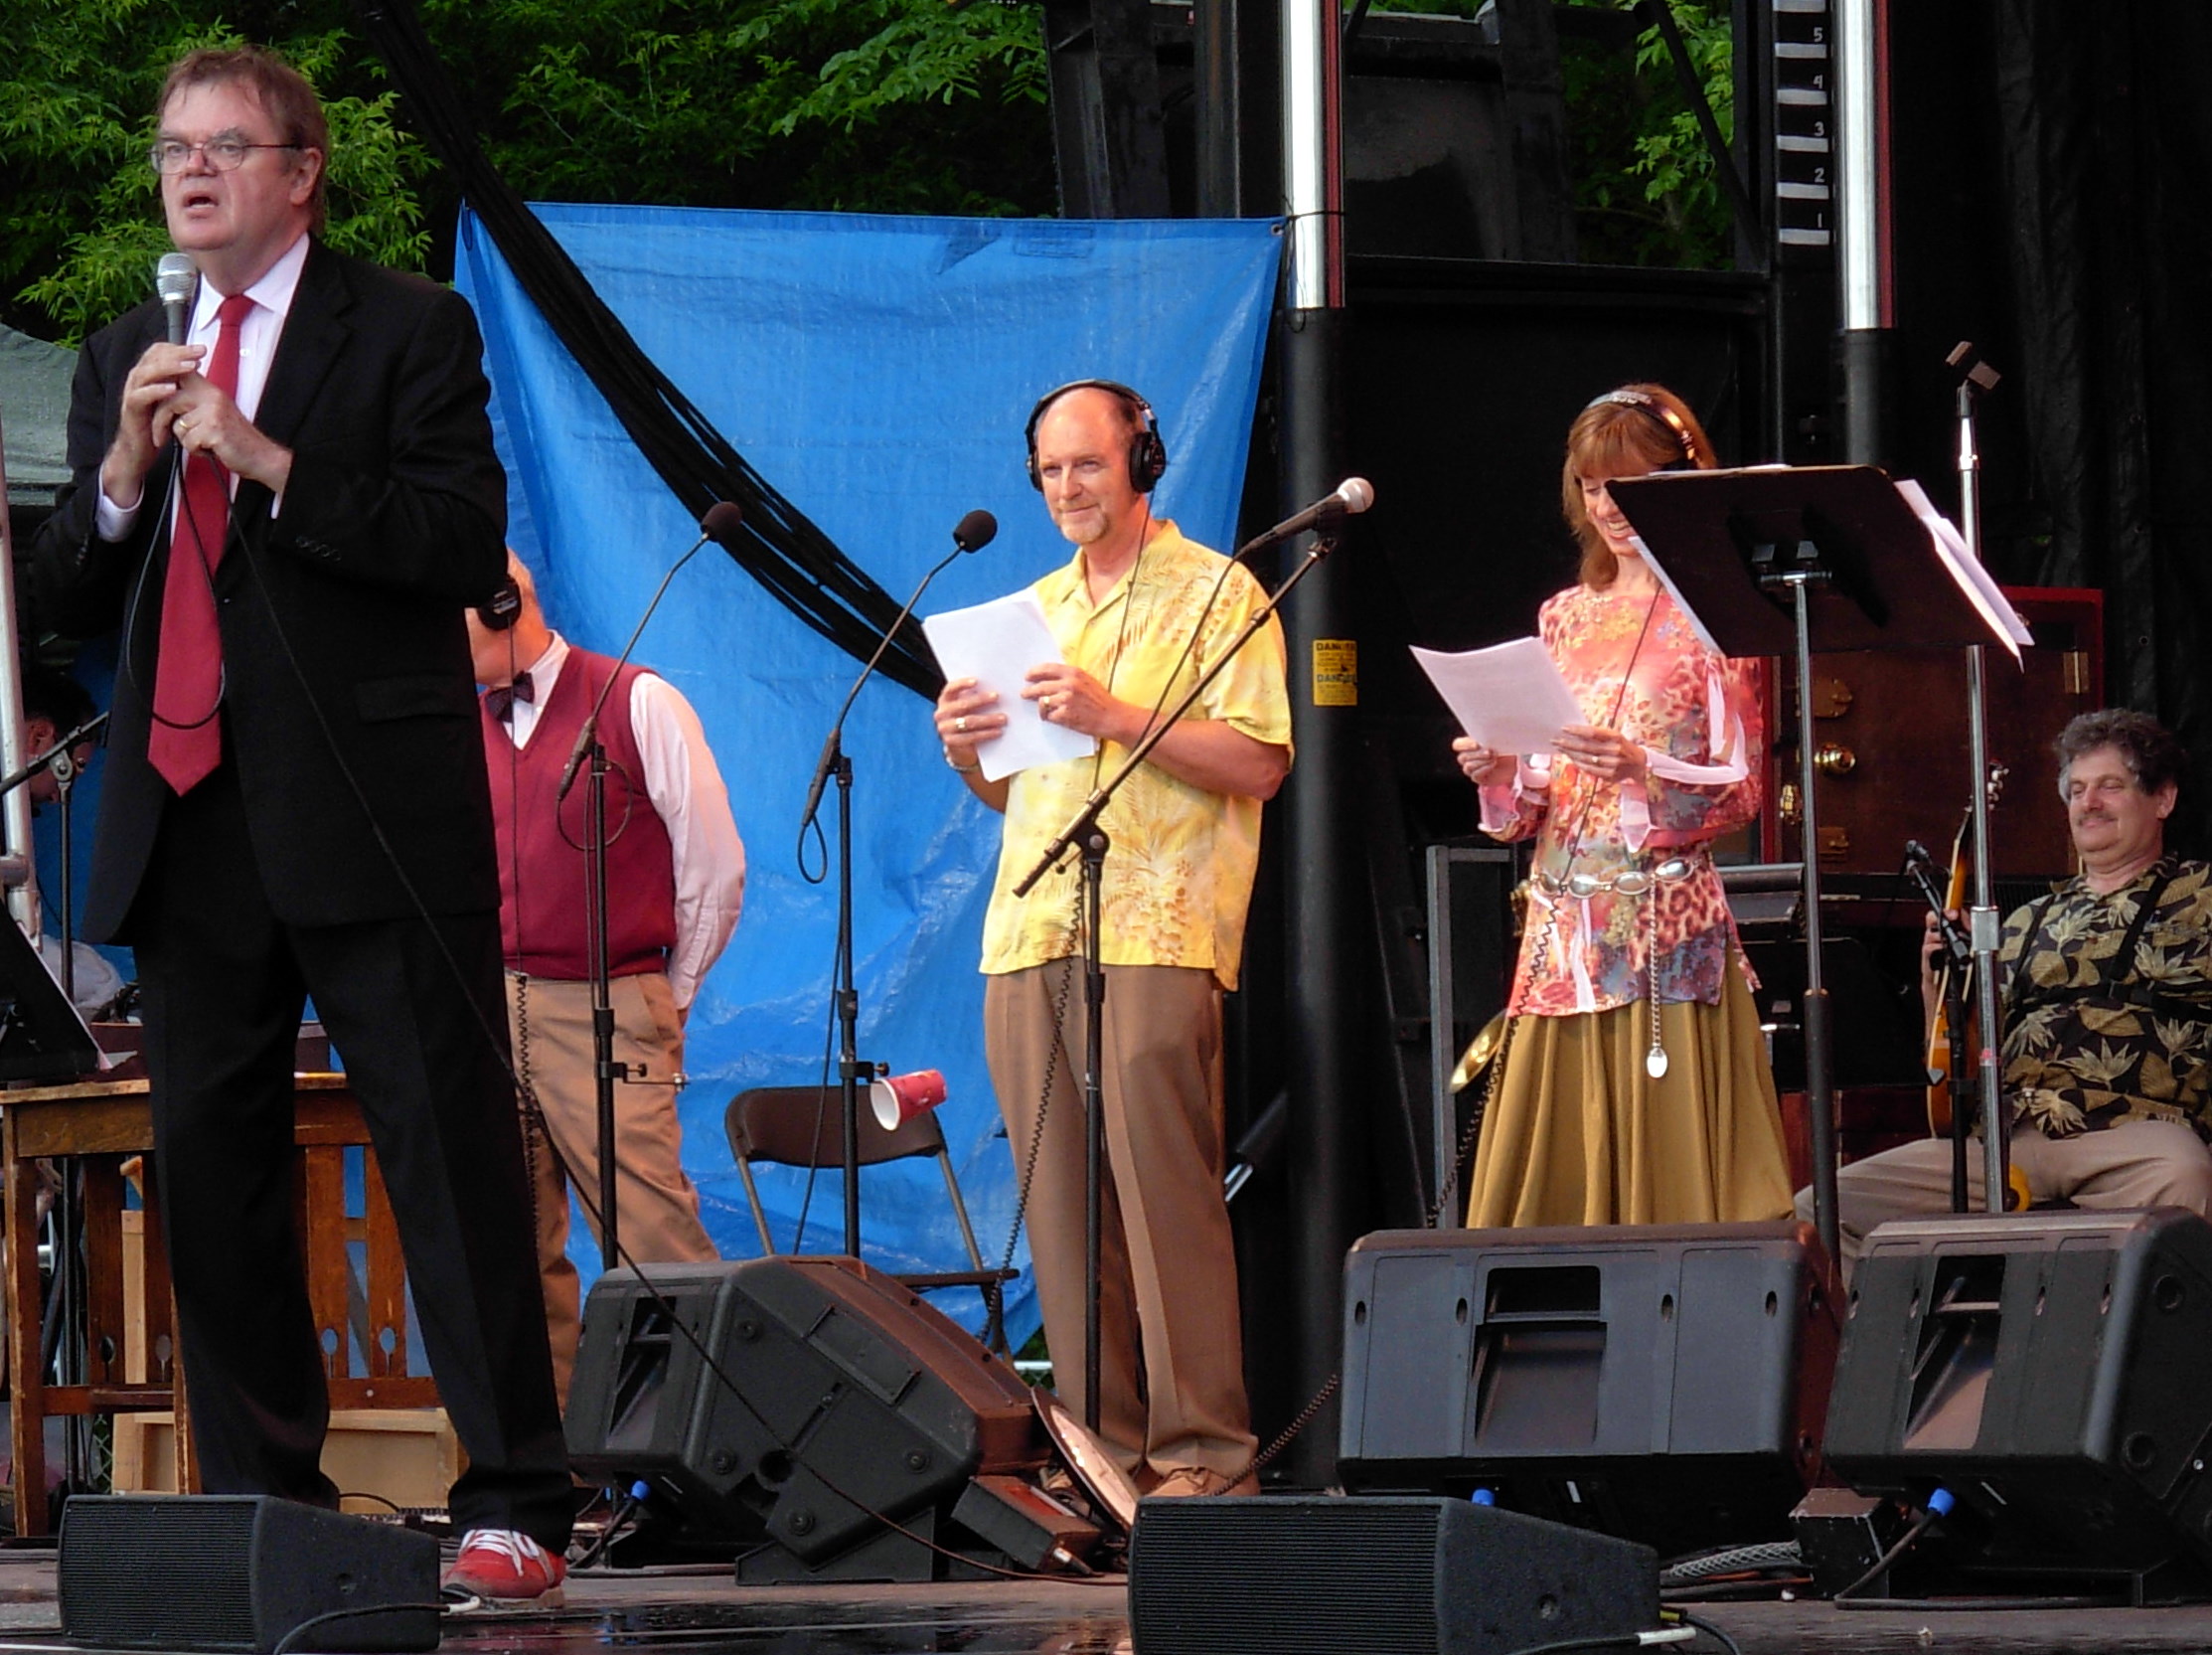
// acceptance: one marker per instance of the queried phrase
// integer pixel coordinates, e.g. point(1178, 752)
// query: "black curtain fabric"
point(778, 546)
point(2105, 152)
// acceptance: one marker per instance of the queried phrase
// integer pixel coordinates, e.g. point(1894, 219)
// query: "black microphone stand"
point(1957, 990)
point(721, 519)
point(843, 989)
point(70, 1287)
point(1084, 832)
point(60, 759)
point(1982, 919)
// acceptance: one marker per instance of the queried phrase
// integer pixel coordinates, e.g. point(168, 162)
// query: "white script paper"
point(1508, 697)
point(1981, 591)
point(995, 644)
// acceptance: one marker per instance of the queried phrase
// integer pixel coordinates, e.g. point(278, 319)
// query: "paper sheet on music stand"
point(1975, 581)
point(1508, 697)
point(995, 644)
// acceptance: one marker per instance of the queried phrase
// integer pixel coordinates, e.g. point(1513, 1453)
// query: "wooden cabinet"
point(1891, 745)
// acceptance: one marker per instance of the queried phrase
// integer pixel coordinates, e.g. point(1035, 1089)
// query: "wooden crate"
point(1890, 733)
point(408, 1456)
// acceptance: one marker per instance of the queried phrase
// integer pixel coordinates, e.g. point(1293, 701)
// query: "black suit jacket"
point(349, 701)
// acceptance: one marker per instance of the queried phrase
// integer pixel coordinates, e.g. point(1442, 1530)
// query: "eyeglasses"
point(224, 154)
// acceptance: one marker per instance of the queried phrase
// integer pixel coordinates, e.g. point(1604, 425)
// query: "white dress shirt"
point(258, 337)
point(686, 789)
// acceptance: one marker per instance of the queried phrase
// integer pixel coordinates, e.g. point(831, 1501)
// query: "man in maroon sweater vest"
point(675, 879)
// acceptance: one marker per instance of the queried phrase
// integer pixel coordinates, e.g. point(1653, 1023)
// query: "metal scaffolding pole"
point(1863, 226)
point(1323, 865)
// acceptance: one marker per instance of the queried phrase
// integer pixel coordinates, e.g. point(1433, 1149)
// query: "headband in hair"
point(1651, 404)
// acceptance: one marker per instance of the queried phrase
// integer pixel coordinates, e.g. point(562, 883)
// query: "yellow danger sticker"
point(1336, 672)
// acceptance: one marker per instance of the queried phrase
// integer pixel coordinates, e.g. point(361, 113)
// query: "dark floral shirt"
point(2092, 1040)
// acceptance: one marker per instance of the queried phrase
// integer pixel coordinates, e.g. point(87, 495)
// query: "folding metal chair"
point(804, 1126)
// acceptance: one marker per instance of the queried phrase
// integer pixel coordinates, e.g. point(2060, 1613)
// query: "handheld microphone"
point(971, 534)
point(1353, 495)
point(174, 276)
point(720, 525)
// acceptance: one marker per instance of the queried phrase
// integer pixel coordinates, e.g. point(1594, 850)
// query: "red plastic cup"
point(900, 1098)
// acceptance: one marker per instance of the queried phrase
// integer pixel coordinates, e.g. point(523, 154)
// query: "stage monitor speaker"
point(2054, 1372)
point(1428, 1576)
point(840, 1398)
point(1661, 1383)
point(220, 1571)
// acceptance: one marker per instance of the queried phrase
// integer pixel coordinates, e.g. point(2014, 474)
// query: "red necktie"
point(186, 741)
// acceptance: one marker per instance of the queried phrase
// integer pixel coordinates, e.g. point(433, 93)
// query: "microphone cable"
point(1063, 992)
point(176, 508)
point(478, 1013)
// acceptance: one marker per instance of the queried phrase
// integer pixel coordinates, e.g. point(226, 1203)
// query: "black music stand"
point(60, 760)
point(41, 1037)
point(1784, 561)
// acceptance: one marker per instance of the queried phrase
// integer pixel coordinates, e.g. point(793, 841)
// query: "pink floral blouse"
point(1624, 900)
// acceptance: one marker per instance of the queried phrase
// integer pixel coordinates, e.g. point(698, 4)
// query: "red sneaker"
point(503, 1567)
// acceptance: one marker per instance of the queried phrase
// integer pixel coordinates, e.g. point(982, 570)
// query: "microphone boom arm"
point(1953, 934)
point(830, 741)
point(1086, 817)
point(591, 730)
point(63, 747)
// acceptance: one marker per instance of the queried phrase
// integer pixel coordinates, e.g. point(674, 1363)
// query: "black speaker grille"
point(1344, 1578)
point(170, 1575)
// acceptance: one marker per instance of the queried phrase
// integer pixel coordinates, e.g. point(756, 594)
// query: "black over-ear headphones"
point(1659, 413)
point(503, 608)
point(1148, 452)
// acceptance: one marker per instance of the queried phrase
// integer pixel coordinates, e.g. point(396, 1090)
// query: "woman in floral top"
point(1634, 1086)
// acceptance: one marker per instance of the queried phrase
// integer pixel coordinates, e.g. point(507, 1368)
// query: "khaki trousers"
point(2140, 1163)
point(656, 1207)
point(1171, 1341)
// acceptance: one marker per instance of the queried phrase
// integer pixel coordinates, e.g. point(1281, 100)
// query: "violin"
point(1939, 1077)
point(1942, 1082)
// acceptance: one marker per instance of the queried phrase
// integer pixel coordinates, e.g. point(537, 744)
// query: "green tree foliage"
point(1645, 188)
point(871, 106)
point(1646, 191)
point(80, 213)
point(888, 106)
point(868, 105)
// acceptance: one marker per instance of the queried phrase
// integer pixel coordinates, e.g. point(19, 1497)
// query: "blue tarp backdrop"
point(878, 372)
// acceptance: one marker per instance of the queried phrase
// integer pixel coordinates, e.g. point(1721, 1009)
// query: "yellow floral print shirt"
point(1178, 873)
point(2092, 1040)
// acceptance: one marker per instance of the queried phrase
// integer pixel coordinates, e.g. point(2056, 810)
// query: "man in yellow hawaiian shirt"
point(2107, 1004)
point(1140, 613)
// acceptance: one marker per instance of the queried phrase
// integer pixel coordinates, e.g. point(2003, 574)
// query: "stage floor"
point(704, 1613)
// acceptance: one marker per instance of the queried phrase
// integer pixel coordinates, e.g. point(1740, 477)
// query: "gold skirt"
point(1578, 1132)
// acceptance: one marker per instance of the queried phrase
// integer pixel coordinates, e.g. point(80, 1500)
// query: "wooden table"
point(97, 1125)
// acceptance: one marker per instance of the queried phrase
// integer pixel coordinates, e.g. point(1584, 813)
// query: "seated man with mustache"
point(2106, 996)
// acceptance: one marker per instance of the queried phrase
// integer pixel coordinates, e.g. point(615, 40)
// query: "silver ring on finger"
point(960, 724)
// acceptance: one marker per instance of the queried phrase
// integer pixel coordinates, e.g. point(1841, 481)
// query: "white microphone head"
point(1356, 494)
point(174, 275)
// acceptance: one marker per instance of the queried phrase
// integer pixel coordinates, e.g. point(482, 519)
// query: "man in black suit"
point(295, 800)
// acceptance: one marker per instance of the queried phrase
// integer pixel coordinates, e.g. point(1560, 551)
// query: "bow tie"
point(498, 701)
